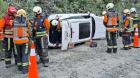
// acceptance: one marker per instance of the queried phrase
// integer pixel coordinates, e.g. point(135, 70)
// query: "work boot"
point(20, 68)
point(8, 65)
point(114, 50)
point(46, 64)
point(40, 61)
point(108, 50)
point(126, 48)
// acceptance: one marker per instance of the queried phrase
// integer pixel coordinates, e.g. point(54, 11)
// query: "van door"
point(81, 30)
point(65, 35)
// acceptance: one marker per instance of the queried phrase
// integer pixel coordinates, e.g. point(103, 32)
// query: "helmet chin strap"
point(38, 15)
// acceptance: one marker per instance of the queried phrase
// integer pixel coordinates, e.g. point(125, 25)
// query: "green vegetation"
point(70, 6)
point(3, 8)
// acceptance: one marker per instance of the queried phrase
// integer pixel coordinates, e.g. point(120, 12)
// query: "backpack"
point(20, 29)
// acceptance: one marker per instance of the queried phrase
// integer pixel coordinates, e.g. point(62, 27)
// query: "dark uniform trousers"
point(42, 49)
point(126, 40)
point(22, 51)
point(9, 50)
point(111, 41)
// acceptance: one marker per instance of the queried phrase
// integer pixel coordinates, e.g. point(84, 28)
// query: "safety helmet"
point(126, 11)
point(133, 10)
point(109, 6)
point(21, 12)
point(104, 12)
point(37, 9)
point(11, 10)
point(54, 22)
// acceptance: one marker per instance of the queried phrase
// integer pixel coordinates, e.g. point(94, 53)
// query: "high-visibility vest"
point(111, 21)
point(126, 26)
point(40, 28)
point(20, 30)
point(135, 22)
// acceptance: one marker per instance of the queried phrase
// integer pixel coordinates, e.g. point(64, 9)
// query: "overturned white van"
point(76, 28)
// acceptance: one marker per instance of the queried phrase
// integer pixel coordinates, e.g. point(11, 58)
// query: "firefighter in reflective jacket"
point(126, 30)
point(111, 20)
point(40, 33)
point(8, 35)
point(135, 21)
point(21, 40)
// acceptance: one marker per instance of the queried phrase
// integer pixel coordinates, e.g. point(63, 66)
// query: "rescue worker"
point(41, 26)
point(111, 21)
point(122, 21)
point(135, 21)
point(126, 30)
point(8, 35)
point(21, 40)
point(55, 32)
point(133, 12)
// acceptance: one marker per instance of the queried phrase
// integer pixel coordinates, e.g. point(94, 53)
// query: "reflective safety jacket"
point(20, 29)
point(136, 21)
point(111, 20)
point(8, 32)
point(41, 26)
point(127, 26)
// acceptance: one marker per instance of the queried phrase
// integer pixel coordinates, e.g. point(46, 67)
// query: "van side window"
point(84, 30)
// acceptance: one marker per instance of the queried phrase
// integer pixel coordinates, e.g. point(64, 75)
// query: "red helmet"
point(11, 10)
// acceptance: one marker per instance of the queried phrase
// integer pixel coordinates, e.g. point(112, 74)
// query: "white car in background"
point(77, 28)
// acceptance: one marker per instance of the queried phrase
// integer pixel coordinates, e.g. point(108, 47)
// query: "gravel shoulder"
point(86, 62)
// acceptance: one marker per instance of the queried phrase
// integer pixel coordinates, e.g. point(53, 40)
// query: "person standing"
point(41, 26)
point(126, 30)
point(21, 27)
point(111, 21)
point(8, 35)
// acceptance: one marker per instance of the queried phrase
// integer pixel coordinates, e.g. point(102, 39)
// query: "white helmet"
point(21, 12)
point(126, 11)
point(37, 9)
point(109, 6)
point(133, 10)
point(104, 12)
point(54, 22)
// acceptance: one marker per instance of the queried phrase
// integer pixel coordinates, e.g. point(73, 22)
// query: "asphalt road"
point(86, 62)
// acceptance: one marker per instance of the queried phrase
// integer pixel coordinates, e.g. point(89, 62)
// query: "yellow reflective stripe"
point(25, 64)
point(114, 46)
point(41, 35)
point(110, 46)
point(19, 64)
point(15, 34)
point(42, 42)
point(15, 49)
point(26, 49)
point(8, 32)
point(7, 59)
point(8, 43)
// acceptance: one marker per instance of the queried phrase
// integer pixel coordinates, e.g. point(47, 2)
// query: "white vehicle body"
point(77, 28)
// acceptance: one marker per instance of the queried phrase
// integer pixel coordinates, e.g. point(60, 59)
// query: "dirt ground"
point(86, 62)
